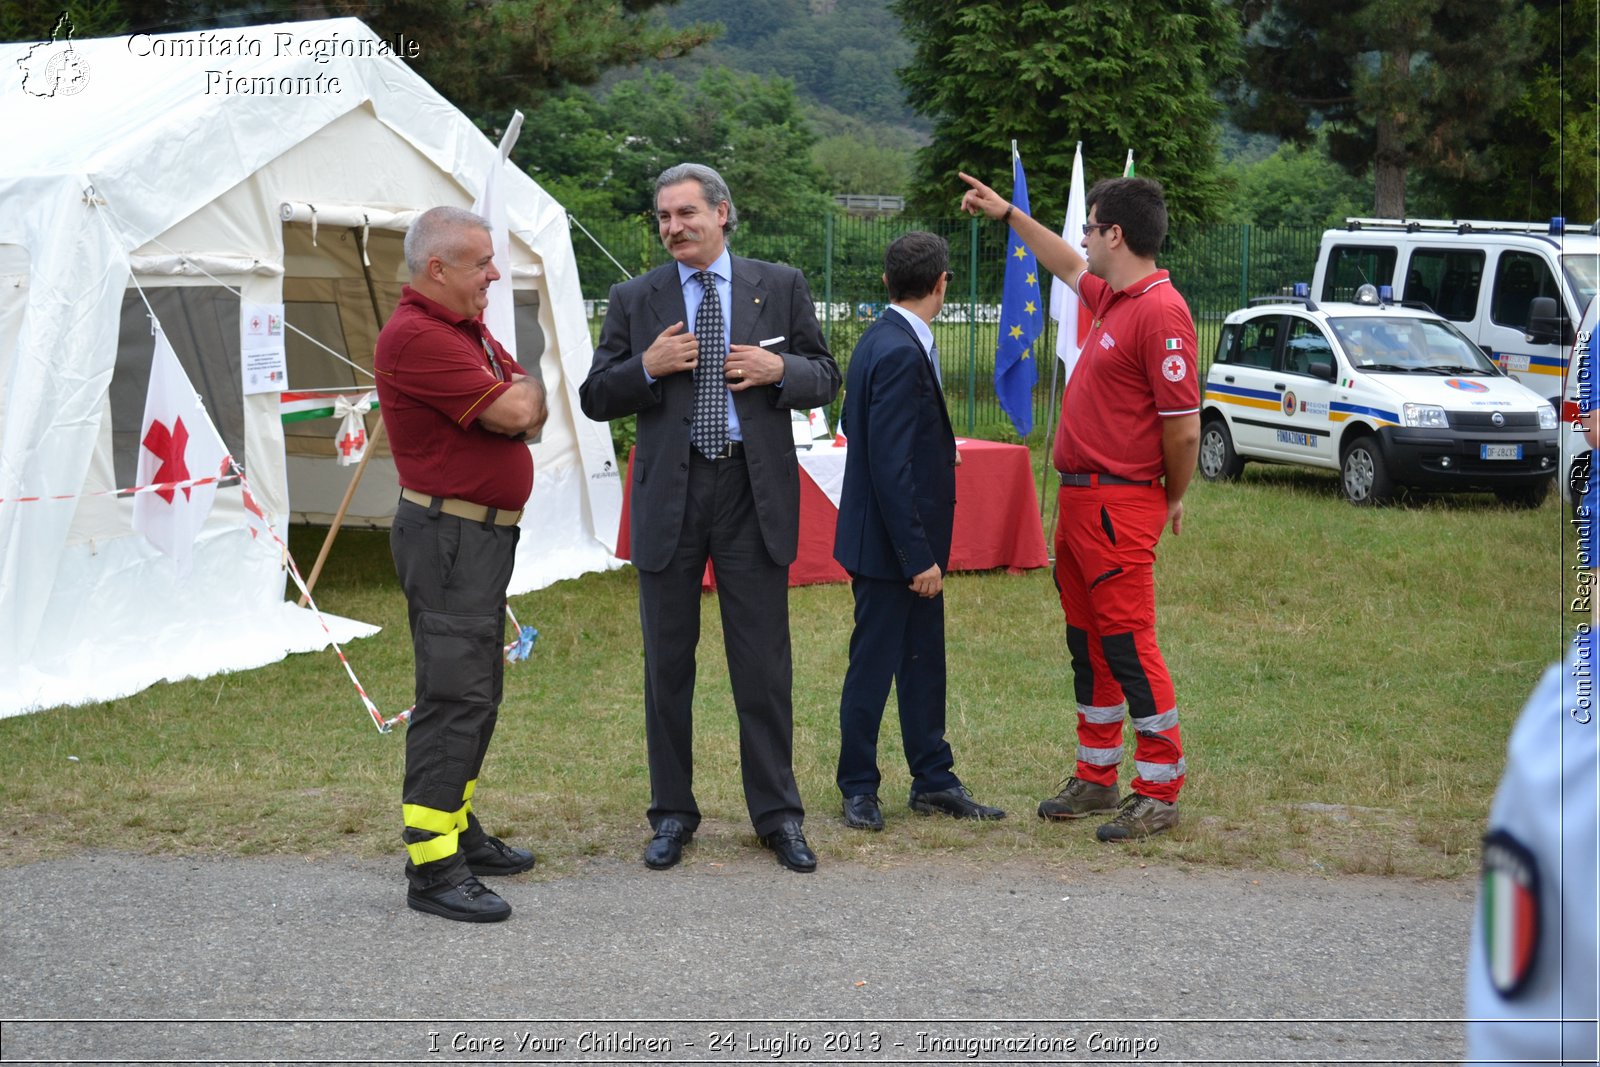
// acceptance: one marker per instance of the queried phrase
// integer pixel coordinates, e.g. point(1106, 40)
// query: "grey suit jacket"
point(769, 300)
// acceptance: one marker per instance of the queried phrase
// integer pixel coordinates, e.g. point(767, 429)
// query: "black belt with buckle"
point(733, 450)
point(1082, 480)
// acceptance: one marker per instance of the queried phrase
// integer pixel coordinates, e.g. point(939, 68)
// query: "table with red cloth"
point(996, 524)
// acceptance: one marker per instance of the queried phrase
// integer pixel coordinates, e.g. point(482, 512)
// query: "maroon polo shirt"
point(1138, 366)
point(434, 380)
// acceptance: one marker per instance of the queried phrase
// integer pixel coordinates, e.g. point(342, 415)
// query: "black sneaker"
point(492, 856)
point(467, 901)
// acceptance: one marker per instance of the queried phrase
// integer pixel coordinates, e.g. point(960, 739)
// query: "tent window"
point(530, 336)
point(202, 322)
point(309, 364)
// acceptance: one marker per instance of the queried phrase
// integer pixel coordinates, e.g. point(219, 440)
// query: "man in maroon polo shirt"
point(458, 411)
point(1125, 450)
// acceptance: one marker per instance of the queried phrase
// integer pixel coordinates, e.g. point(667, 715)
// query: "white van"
point(1515, 288)
point(1387, 396)
point(1578, 402)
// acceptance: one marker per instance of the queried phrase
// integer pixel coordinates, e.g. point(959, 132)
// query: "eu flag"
point(1021, 317)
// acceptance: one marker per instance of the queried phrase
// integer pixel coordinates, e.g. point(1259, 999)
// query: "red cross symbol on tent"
point(352, 442)
point(169, 446)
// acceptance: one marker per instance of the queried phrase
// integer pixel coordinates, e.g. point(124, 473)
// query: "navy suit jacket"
point(898, 504)
point(769, 300)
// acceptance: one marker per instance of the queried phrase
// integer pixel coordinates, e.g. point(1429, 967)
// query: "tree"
point(1542, 147)
point(1402, 85)
point(1299, 187)
point(1113, 75)
point(606, 151)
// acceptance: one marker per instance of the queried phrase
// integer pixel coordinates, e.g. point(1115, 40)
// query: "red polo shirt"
point(434, 380)
point(1138, 366)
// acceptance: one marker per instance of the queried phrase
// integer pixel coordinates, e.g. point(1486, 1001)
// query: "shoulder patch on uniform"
point(1509, 897)
point(1174, 368)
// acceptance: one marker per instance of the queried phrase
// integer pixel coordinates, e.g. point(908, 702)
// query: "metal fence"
point(1217, 268)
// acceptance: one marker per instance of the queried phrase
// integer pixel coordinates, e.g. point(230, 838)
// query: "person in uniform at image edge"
point(711, 352)
point(1125, 451)
point(1533, 968)
point(458, 412)
point(896, 514)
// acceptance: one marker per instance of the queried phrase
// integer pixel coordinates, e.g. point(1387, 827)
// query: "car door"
point(1241, 381)
point(1519, 276)
point(1305, 432)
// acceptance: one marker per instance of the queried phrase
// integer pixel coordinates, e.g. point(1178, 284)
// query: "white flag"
point(1071, 325)
point(500, 315)
point(1127, 168)
point(177, 445)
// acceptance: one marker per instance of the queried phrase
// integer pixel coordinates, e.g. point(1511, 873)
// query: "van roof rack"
point(1449, 225)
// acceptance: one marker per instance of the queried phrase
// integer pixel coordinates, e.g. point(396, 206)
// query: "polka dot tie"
point(710, 431)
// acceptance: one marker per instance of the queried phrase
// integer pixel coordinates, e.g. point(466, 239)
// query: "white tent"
point(211, 174)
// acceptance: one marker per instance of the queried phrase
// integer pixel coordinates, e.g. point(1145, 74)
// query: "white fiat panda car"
point(1388, 396)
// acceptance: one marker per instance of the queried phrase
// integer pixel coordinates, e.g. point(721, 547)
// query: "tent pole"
point(372, 438)
point(338, 518)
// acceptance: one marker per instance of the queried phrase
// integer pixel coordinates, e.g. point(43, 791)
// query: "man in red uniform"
point(1125, 450)
point(458, 411)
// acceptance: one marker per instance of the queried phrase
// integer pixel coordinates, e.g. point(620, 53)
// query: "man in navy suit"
point(896, 513)
point(711, 352)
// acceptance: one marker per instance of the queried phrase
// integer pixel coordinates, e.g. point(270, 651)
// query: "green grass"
point(1346, 679)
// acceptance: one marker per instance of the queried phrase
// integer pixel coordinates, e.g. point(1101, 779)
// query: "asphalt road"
point(113, 958)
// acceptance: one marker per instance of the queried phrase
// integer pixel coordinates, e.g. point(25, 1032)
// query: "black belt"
point(733, 450)
point(1099, 479)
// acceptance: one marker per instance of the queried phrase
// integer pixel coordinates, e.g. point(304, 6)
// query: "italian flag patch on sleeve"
point(1509, 897)
point(1174, 344)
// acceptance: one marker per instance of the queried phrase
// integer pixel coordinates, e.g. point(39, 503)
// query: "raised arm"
point(1054, 255)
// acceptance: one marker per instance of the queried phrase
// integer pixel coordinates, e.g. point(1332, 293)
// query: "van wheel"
point(1525, 496)
point(1366, 480)
point(1218, 461)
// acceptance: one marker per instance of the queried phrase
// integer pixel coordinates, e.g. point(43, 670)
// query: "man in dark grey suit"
point(711, 352)
point(896, 516)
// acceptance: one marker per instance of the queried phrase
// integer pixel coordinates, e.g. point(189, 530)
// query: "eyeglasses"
point(1089, 227)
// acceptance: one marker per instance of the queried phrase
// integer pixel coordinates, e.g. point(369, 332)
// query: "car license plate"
point(1499, 451)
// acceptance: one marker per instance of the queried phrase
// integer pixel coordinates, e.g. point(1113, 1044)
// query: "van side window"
point(1446, 280)
point(1306, 345)
point(1521, 276)
point(1352, 266)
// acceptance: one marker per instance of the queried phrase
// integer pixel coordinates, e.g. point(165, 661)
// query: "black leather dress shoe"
point(790, 846)
point(862, 812)
point(956, 801)
point(467, 901)
point(666, 847)
point(492, 856)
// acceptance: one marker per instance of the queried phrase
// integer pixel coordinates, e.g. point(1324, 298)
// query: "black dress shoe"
point(492, 856)
point(467, 901)
point(862, 812)
point(956, 801)
point(790, 846)
point(666, 847)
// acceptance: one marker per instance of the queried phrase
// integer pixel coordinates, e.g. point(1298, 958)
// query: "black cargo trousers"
point(454, 572)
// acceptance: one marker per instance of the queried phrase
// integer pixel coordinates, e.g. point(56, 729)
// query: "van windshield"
point(1410, 346)
point(1583, 271)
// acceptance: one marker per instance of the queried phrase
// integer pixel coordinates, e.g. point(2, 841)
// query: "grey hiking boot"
point(1079, 798)
point(1139, 816)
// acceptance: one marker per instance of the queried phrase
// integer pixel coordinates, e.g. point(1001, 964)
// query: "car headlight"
point(1428, 415)
point(1547, 417)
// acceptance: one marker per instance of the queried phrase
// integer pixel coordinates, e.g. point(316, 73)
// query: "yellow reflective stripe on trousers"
point(435, 848)
point(466, 804)
point(418, 817)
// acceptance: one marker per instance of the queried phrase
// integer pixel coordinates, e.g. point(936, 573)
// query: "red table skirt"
point(996, 523)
